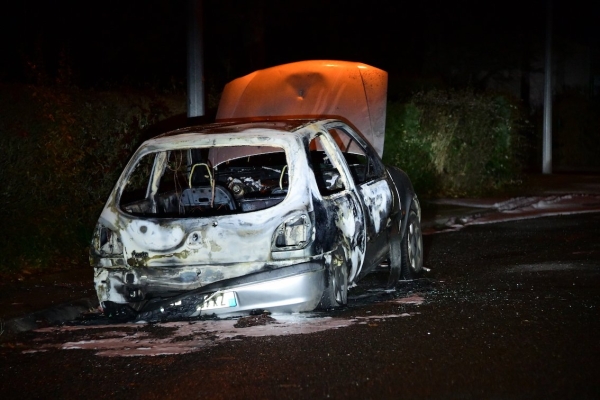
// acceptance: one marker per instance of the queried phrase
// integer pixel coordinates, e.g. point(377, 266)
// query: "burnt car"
point(283, 204)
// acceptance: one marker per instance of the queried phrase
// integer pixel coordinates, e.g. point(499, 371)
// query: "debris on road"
point(254, 320)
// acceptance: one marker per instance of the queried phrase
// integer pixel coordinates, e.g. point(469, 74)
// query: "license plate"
point(219, 300)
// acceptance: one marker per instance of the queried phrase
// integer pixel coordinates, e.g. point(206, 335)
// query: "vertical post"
point(547, 142)
point(195, 67)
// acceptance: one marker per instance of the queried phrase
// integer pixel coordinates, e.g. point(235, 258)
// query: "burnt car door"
point(373, 189)
point(343, 225)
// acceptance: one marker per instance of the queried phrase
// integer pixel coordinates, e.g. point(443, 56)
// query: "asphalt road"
point(509, 311)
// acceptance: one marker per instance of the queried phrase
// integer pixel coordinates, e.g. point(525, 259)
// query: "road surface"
point(509, 310)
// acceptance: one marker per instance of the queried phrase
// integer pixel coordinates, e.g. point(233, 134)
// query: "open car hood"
point(352, 91)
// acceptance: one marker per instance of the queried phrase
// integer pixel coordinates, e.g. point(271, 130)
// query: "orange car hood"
point(351, 91)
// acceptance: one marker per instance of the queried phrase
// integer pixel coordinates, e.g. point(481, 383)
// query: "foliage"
point(455, 143)
point(61, 151)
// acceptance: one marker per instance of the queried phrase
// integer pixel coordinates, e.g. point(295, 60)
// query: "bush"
point(61, 151)
point(455, 143)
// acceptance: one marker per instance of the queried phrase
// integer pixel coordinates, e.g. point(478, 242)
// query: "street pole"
point(547, 142)
point(195, 66)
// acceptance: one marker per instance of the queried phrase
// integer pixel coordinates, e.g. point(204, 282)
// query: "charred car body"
point(280, 205)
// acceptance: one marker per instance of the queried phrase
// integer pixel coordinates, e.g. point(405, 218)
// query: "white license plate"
point(219, 300)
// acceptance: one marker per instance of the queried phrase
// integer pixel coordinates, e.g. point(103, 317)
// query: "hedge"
point(455, 143)
point(61, 151)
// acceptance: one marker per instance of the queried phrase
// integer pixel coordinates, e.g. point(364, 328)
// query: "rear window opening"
point(206, 182)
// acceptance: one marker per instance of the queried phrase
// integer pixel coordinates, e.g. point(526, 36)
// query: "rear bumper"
point(301, 292)
point(293, 288)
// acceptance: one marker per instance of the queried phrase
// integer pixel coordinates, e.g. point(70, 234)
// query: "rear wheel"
point(336, 292)
point(412, 248)
point(395, 260)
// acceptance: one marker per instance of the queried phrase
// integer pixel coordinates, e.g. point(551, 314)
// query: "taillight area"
point(109, 242)
point(106, 249)
point(293, 234)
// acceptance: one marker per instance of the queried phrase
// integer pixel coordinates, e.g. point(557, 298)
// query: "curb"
point(452, 217)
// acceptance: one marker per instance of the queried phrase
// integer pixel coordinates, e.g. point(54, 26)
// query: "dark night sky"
point(144, 42)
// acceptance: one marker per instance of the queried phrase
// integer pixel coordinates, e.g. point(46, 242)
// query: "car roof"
point(243, 125)
point(250, 132)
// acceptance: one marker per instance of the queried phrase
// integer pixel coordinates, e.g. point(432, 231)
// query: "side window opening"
point(361, 165)
point(327, 175)
point(137, 186)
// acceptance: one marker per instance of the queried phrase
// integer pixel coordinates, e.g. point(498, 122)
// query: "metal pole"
point(547, 144)
point(195, 72)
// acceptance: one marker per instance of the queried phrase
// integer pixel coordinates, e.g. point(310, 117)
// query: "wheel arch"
point(407, 196)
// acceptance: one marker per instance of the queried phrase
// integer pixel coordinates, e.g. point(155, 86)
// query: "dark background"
point(454, 43)
point(496, 47)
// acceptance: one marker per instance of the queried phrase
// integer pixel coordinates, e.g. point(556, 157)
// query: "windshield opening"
point(206, 182)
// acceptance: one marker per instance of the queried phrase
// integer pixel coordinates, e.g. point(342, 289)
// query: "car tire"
point(336, 290)
point(412, 248)
point(395, 260)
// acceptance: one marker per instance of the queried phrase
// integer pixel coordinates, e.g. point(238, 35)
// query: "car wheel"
point(336, 292)
point(412, 248)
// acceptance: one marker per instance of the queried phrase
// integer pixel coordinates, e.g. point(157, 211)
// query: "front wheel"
point(412, 248)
